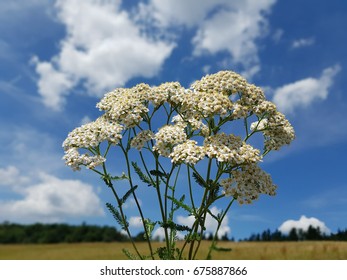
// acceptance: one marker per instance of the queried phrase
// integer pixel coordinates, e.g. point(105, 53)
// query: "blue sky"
point(57, 58)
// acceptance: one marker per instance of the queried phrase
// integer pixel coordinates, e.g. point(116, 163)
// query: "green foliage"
point(165, 254)
point(144, 178)
point(57, 233)
point(295, 234)
point(159, 173)
point(118, 217)
point(119, 178)
point(180, 204)
point(149, 228)
point(127, 194)
point(198, 179)
point(173, 226)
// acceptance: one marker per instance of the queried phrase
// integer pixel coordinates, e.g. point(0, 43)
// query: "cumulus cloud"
point(221, 25)
point(303, 223)
point(166, 13)
point(11, 177)
point(106, 46)
point(51, 200)
point(235, 30)
point(103, 49)
point(303, 42)
point(135, 222)
point(303, 92)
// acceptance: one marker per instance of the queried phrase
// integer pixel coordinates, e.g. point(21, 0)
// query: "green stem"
point(108, 182)
point(214, 241)
point(137, 203)
point(202, 210)
point(162, 211)
point(190, 189)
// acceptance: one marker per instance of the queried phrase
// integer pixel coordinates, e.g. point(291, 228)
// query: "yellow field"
point(315, 250)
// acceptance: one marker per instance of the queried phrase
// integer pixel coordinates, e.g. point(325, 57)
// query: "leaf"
point(128, 193)
point(199, 180)
point(159, 173)
point(118, 217)
point(173, 226)
point(142, 176)
point(181, 204)
point(149, 227)
point(119, 178)
point(213, 215)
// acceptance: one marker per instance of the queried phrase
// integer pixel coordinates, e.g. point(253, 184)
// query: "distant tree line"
point(312, 233)
point(57, 233)
point(38, 233)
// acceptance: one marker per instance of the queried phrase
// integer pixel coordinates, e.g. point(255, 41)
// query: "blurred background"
point(58, 58)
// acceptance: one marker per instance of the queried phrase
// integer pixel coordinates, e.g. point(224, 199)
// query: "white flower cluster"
point(167, 137)
point(201, 111)
point(89, 136)
point(188, 152)
point(141, 138)
point(247, 183)
point(230, 148)
point(207, 104)
point(279, 132)
point(74, 159)
point(126, 106)
point(259, 125)
point(194, 122)
point(224, 82)
point(171, 92)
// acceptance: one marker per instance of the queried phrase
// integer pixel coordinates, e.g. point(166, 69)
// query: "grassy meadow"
point(309, 250)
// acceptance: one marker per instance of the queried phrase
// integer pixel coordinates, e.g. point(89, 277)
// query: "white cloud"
point(303, 92)
point(303, 223)
point(131, 203)
point(51, 200)
point(222, 25)
point(135, 222)
point(53, 84)
point(11, 177)
point(103, 49)
point(179, 12)
point(304, 42)
point(235, 29)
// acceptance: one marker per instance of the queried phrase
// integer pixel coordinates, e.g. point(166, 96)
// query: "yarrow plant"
point(202, 133)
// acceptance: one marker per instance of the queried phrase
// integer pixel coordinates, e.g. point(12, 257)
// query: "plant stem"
point(137, 203)
point(220, 220)
point(108, 182)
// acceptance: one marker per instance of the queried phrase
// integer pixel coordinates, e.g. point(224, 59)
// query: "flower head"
point(90, 135)
point(167, 137)
point(140, 139)
point(230, 148)
point(247, 183)
point(74, 159)
point(126, 106)
point(188, 152)
point(223, 82)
